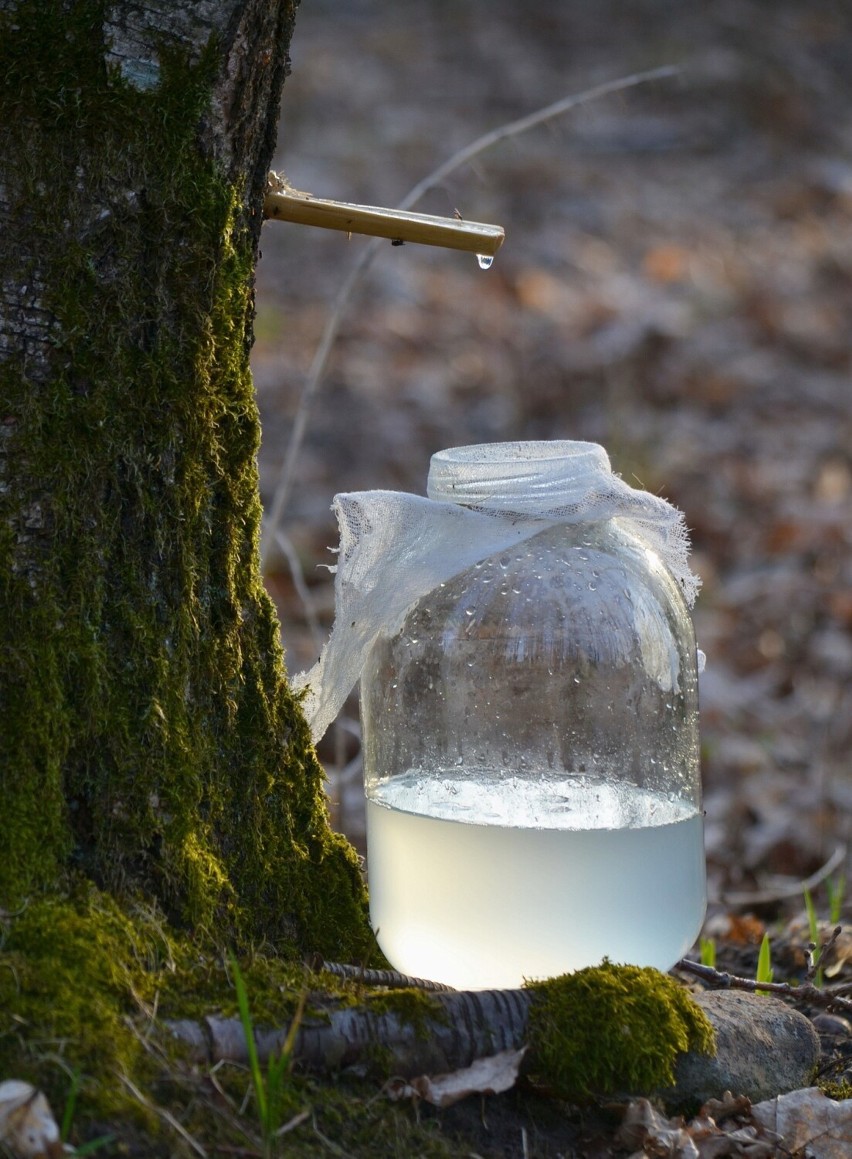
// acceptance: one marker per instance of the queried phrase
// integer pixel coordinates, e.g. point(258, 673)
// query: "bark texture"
point(433, 1034)
point(148, 739)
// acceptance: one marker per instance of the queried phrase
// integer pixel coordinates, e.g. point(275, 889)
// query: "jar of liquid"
point(531, 763)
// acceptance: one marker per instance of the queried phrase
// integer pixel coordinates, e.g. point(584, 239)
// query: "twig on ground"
point(462, 157)
point(166, 1115)
point(721, 980)
point(291, 1124)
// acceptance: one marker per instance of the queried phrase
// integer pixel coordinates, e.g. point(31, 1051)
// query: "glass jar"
point(532, 767)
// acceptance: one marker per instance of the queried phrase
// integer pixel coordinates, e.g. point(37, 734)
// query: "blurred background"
point(676, 284)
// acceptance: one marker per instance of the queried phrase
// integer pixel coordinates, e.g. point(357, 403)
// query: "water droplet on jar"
point(468, 611)
point(486, 261)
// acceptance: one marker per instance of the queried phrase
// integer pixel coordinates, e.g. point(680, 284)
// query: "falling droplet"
point(486, 261)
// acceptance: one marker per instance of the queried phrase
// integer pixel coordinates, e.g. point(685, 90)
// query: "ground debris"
point(722, 1127)
point(28, 1129)
point(485, 1076)
point(809, 1123)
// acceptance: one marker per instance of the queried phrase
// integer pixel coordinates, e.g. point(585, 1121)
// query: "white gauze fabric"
point(395, 548)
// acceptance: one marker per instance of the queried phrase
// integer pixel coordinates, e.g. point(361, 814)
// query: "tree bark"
point(148, 739)
point(457, 1028)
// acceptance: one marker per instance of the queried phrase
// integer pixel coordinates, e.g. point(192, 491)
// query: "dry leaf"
point(741, 929)
point(808, 1119)
point(485, 1076)
point(839, 955)
point(745, 1142)
point(726, 1108)
point(28, 1129)
point(646, 1131)
point(649, 1134)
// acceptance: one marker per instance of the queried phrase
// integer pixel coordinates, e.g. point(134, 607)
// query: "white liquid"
point(482, 883)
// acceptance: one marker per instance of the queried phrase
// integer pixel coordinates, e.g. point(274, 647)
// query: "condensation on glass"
point(532, 766)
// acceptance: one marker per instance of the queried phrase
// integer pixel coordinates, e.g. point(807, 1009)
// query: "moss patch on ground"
point(613, 1029)
point(85, 987)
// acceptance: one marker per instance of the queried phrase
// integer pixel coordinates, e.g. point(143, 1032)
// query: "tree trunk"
point(148, 738)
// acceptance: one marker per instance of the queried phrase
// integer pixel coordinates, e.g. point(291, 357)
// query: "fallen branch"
point(806, 991)
point(462, 1027)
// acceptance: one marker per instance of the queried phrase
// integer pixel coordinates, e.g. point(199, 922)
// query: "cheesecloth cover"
point(395, 548)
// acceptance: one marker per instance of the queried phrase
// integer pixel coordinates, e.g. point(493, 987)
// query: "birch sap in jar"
point(531, 737)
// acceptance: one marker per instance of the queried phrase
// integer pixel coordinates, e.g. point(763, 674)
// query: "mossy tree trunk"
point(149, 742)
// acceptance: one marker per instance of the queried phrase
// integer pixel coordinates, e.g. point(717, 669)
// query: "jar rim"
point(481, 473)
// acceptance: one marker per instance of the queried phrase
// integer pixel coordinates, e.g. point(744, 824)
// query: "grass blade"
point(251, 1046)
point(764, 963)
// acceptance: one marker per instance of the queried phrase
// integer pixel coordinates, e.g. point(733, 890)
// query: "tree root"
point(455, 1029)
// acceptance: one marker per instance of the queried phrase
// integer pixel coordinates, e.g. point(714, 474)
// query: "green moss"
point(81, 979)
point(613, 1029)
point(150, 738)
point(73, 976)
point(839, 1091)
point(85, 987)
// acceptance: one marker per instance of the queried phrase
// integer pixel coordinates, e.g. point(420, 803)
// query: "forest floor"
point(676, 284)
